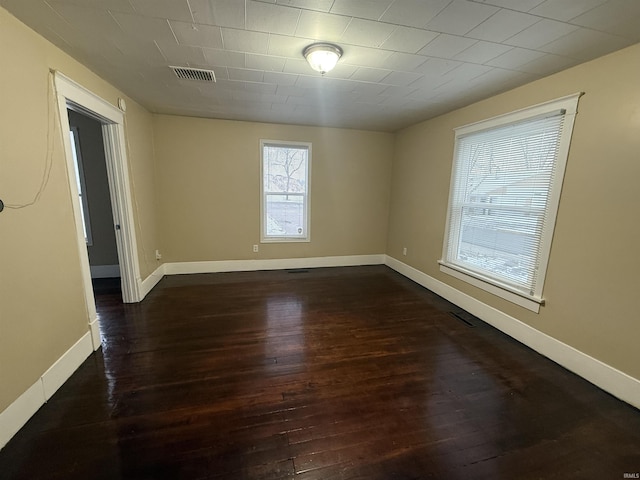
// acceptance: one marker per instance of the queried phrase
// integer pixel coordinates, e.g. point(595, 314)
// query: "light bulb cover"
point(322, 57)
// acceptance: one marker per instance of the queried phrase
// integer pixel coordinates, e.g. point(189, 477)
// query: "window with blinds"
point(505, 190)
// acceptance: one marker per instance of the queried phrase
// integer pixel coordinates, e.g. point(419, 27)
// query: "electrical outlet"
point(404, 251)
point(158, 255)
point(255, 248)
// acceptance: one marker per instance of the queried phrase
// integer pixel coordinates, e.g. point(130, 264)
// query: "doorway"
point(72, 96)
point(87, 148)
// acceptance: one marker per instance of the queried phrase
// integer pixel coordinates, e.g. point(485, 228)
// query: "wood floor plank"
point(332, 374)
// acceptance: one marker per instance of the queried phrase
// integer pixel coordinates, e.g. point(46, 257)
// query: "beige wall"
point(592, 279)
point(42, 307)
point(209, 179)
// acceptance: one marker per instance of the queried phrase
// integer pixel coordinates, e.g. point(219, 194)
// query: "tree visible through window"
point(285, 188)
point(504, 196)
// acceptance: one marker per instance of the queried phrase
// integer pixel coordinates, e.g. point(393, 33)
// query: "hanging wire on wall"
point(48, 165)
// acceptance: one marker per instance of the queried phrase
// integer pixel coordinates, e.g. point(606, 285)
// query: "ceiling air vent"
point(199, 74)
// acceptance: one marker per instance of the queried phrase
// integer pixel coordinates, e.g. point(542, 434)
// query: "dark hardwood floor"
point(334, 373)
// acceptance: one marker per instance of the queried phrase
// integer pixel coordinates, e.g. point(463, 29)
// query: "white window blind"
point(504, 196)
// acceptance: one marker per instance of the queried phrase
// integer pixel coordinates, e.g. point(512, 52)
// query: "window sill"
point(525, 301)
point(284, 240)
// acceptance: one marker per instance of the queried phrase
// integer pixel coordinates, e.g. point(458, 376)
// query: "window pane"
point(285, 215)
point(84, 210)
point(285, 169)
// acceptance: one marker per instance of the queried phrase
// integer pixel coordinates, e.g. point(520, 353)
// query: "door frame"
point(71, 95)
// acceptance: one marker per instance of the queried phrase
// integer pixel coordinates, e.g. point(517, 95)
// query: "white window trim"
point(534, 300)
point(272, 239)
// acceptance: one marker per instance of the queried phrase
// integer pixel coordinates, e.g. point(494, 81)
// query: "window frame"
point(533, 299)
point(76, 152)
point(264, 238)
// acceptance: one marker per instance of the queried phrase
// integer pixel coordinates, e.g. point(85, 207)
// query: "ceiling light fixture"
point(322, 56)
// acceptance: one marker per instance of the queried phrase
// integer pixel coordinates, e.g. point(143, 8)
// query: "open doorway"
point(71, 96)
point(87, 148)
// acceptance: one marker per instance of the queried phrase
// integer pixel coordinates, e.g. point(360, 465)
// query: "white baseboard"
point(63, 368)
point(105, 271)
point(608, 378)
point(94, 331)
point(179, 268)
point(26, 405)
point(13, 418)
point(151, 281)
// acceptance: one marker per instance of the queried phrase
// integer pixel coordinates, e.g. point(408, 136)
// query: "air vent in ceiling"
point(199, 74)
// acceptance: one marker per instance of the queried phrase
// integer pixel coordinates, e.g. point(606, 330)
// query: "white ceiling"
point(404, 60)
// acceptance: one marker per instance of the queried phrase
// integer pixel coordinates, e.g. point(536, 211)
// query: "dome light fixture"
point(322, 57)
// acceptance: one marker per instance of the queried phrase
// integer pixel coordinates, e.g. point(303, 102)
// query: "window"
point(80, 182)
point(505, 190)
point(285, 191)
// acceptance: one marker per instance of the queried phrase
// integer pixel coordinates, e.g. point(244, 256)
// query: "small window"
point(505, 191)
point(285, 191)
point(80, 182)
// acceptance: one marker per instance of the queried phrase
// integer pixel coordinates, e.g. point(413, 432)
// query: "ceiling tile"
point(565, 10)
point(140, 52)
point(245, 41)
point(367, 33)
point(364, 56)
point(585, 44)
point(428, 82)
point(541, 33)
point(399, 91)
point(197, 35)
point(460, 16)
point(515, 58)
point(482, 52)
point(438, 66)
point(366, 74)
point(260, 65)
point(404, 61)
point(292, 90)
point(502, 25)
point(279, 78)
point(413, 13)
point(171, 9)
point(401, 78)
point(224, 58)
point(321, 26)
point(180, 54)
point(284, 46)
point(145, 28)
point(447, 46)
point(468, 71)
point(245, 75)
point(265, 62)
point(223, 13)
point(320, 5)
point(619, 17)
point(272, 18)
point(114, 5)
point(519, 5)
point(548, 64)
point(369, 88)
point(87, 19)
point(298, 67)
point(370, 9)
point(341, 70)
point(409, 40)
